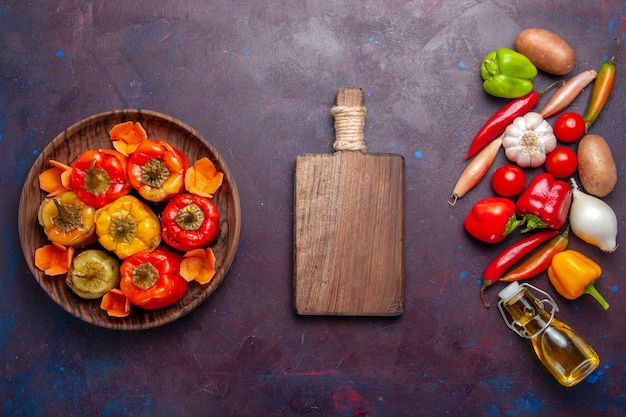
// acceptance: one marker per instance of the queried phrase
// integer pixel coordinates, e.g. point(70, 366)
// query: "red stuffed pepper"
point(545, 202)
point(189, 222)
point(99, 176)
point(157, 170)
point(151, 280)
point(491, 219)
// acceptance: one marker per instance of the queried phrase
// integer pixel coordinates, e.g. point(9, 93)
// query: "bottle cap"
point(509, 291)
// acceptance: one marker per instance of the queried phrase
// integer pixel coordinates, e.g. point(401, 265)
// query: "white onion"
point(592, 220)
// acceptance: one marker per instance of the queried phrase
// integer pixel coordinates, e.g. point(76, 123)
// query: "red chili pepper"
point(491, 219)
point(499, 265)
point(151, 280)
point(157, 170)
point(602, 87)
point(99, 176)
point(539, 261)
point(545, 202)
point(189, 222)
point(501, 119)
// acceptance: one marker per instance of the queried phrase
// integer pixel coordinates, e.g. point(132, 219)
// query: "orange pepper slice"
point(115, 303)
point(198, 265)
point(54, 259)
point(202, 178)
point(127, 136)
point(55, 180)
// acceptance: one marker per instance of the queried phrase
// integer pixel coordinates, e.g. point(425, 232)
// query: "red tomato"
point(569, 127)
point(561, 162)
point(508, 180)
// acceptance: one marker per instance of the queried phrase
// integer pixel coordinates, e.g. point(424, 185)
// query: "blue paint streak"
point(528, 405)
point(245, 53)
point(462, 64)
point(463, 275)
point(493, 411)
point(418, 155)
point(16, 403)
point(499, 384)
point(60, 54)
point(371, 39)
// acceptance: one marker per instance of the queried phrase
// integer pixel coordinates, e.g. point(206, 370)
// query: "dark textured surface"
point(257, 80)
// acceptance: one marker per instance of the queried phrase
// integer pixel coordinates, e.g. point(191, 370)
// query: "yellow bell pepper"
point(66, 220)
point(127, 226)
point(572, 274)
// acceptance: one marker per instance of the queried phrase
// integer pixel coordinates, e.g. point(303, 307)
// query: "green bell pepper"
point(507, 73)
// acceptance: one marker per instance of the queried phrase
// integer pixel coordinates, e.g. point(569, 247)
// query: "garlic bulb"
point(592, 220)
point(528, 139)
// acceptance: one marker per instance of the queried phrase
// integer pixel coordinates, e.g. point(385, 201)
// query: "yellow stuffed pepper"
point(127, 226)
point(66, 220)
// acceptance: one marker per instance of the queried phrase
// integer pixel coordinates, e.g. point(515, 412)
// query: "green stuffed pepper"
point(507, 73)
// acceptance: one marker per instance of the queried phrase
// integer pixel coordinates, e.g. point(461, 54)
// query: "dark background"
point(257, 79)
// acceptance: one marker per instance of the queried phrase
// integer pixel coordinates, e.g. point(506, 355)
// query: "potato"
point(547, 50)
point(596, 166)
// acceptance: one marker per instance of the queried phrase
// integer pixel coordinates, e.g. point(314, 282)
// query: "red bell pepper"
point(189, 222)
point(545, 202)
point(157, 170)
point(99, 176)
point(151, 280)
point(491, 219)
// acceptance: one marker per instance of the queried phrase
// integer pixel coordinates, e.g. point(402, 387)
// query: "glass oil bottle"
point(561, 350)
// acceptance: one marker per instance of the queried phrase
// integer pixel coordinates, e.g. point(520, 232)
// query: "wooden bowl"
point(92, 133)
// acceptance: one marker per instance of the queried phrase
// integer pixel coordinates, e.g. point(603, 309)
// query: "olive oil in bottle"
point(561, 350)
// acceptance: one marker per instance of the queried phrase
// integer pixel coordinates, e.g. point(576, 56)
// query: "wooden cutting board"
point(349, 223)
